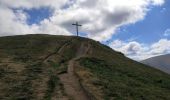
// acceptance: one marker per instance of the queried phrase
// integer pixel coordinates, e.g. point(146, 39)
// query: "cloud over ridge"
point(141, 51)
point(100, 18)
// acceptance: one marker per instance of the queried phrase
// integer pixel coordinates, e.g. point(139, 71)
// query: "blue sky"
point(149, 30)
point(134, 27)
point(36, 15)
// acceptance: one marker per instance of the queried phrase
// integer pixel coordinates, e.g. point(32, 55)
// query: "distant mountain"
point(160, 62)
point(49, 67)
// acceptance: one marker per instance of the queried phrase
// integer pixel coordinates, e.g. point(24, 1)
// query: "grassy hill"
point(36, 67)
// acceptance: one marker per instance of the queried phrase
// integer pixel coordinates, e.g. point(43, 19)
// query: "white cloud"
point(13, 23)
point(161, 47)
point(167, 32)
point(140, 51)
point(157, 2)
point(100, 18)
point(28, 4)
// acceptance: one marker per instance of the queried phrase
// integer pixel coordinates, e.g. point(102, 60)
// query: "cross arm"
point(77, 24)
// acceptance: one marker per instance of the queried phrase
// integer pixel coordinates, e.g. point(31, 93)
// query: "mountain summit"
point(49, 67)
point(160, 62)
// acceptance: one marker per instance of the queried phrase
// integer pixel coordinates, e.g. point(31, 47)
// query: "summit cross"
point(77, 25)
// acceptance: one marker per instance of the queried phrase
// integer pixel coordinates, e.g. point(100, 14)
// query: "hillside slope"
point(160, 62)
point(47, 67)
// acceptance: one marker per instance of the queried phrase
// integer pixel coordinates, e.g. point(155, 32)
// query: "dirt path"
point(57, 52)
point(70, 81)
point(71, 84)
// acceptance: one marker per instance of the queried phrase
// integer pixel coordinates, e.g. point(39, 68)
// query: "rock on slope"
point(160, 62)
point(48, 67)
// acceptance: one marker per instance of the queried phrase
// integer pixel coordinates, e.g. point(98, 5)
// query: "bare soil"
point(70, 80)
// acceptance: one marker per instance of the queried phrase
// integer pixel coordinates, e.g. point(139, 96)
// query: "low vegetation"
point(30, 66)
point(121, 83)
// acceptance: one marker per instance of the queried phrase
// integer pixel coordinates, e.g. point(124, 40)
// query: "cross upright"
point(77, 25)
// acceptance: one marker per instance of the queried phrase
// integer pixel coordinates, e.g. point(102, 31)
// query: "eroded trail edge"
point(70, 80)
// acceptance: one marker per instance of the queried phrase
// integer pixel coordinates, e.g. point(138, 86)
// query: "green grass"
point(60, 67)
point(53, 64)
point(123, 84)
point(17, 86)
point(52, 84)
point(117, 76)
point(30, 51)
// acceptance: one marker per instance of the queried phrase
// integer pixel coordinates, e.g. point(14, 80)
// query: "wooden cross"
point(77, 25)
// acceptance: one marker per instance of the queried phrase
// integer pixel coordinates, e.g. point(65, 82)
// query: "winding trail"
point(70, 80)
point(58, 51)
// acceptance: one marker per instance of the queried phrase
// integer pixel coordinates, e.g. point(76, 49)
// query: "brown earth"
point(71, 81)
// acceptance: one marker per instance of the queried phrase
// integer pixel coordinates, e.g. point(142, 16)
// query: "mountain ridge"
point(161, 62)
